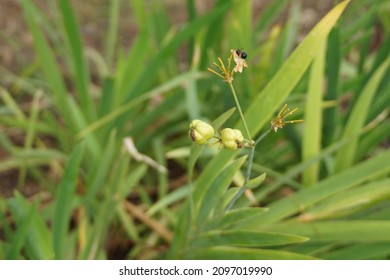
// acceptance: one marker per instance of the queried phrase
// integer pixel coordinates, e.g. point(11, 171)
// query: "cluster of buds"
point(201, 132)
point(232, 139)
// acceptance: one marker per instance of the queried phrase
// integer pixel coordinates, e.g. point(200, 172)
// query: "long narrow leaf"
point(80, 70)
point(356, 120)
point(311, 143)
point(64, 201)
point(232, 253)
point(307, 197)
point(244, 238)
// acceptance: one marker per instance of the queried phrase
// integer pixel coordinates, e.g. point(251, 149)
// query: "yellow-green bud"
point(200, 132)
point(231, 139)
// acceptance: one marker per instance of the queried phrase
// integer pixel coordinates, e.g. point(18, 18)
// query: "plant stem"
point(262, 136)
point(248, 171)
point(239, 110)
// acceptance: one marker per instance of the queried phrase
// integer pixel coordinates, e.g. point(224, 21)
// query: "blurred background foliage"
point(96, 99)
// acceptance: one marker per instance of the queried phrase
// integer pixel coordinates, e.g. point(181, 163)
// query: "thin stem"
point(239, 110)
point(248, 171)
point(243, 188)
point(263, 135)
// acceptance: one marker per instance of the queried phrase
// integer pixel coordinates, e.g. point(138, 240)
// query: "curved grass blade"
point(306, 197)
point(39, 240)
point(20, 237)
point(356, 120)
point(244, 238)
point(216, 190)
point(366, 251)
point(80, 70)
point(233, 253)
point(350, 201)
point(311, 142)
point(340, 230)
point(64, 201)
point(234, 216)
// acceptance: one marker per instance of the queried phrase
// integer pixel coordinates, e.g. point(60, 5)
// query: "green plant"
point(92, 133)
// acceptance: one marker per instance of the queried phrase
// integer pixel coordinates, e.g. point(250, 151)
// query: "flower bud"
point(200, 132)
point(231, 139)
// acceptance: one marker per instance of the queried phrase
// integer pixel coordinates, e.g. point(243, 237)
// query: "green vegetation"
point(99, 163)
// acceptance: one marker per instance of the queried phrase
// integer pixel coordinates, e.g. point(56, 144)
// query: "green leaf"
point(112, 33)
point(255, 182)
point(39, 240)
point(340, 230)
point(322, 190)
point(244, 238)
point(168, 200)
point(269, 15)
point(149, 72)
point(65, 103)
point(20, 237)
point(311, 142)
point(273, 95)
point(349, 201)
point(356, 120)
point(359, 252)
point(218, 122)
point(125, 108)
point(64, 200)
point(234, 216)
point(216, 190)
point(80, 70)
point(49, 65)
point(332, 93)
point(233, 253)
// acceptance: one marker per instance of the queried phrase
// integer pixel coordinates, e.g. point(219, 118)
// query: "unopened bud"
point(231, 139)
point(200, 132)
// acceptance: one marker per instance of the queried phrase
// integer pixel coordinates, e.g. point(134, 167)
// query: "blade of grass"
point(325, 188)
point(65, 103)
point(244, 238)
point(332, 73)
point(49, 65)
point(11, 104)
point(39, 239)
point(234, 216)
point(80, 70)
point(359, 252)
point(20, 237)
point(102, 167)
point(311, 142)
point(269, 15)
point(63, 201)
point(350, 201)
point(232, 253)
point(148, 72)
point(175, 82)
point(341, 230)
point(356, 120)
point(31, 130)
point(287, 38)
point(140, 12)
point(215, 191)
point(112, 34)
